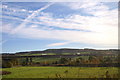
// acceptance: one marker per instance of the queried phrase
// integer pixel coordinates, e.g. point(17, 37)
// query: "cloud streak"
point(22, 25)
point(99, 29)
point(58, 44)
point(30, 17)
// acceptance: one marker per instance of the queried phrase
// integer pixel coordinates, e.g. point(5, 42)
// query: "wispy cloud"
point(99, 29)
point(82, 5)
point(58, 44)
point(14, 9)
point(10, 30)
point(30, 17)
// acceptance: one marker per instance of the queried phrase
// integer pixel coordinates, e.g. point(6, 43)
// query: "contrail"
point(27, 20)
point(30, 17)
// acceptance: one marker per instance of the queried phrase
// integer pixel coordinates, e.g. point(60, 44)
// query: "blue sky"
point(30, 26)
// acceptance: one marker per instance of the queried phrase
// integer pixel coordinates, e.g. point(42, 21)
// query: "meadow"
point(61, 72)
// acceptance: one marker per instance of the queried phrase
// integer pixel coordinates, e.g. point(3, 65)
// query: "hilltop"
point(66, 51)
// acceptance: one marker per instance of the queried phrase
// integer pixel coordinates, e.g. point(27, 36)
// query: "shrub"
point(4, 72)
point(7, 64)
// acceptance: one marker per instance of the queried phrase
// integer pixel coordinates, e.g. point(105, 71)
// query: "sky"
point(31, 26)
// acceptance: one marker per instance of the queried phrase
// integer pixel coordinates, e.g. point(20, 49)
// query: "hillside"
point(66, 51)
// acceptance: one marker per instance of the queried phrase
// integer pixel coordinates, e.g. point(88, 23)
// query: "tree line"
point(90, 61)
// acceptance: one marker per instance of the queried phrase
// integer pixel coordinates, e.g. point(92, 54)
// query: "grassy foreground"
point(63, 72)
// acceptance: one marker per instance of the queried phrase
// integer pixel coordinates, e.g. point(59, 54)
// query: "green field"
point(63, 72)
point(50, 60)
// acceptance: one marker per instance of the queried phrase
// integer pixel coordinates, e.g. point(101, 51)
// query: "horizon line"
point(62, 48)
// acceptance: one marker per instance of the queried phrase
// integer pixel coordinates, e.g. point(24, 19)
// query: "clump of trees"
point(97, 61)
point(7, 63)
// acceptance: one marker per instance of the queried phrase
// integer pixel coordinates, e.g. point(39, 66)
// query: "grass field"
point(63, 72)
point(50, 60)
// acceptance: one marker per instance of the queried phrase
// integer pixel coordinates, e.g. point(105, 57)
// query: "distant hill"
point(71, 51)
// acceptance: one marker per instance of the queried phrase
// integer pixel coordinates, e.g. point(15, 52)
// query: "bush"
point(4, 72)
point(7, 64)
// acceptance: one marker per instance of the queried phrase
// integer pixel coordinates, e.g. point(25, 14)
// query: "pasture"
point(61, 72)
